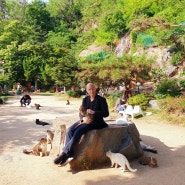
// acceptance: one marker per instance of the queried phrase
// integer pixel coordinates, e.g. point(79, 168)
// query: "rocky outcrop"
point(90, 151)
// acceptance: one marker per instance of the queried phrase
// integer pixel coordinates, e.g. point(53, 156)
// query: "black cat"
point(38, 122)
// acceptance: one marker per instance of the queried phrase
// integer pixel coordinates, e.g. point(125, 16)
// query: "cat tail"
point(129, 168)
point(27, 152)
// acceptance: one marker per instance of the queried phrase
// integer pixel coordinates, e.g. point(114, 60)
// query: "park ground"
point(18, 131)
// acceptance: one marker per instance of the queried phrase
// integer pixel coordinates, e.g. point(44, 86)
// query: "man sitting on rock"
point(93, 104)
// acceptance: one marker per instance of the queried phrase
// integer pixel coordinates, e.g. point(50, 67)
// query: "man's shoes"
point(63, 163)
point(61, 159)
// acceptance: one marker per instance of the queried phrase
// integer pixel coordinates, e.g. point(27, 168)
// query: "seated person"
point(93, 104)
point(26, 99)
point(120, 104)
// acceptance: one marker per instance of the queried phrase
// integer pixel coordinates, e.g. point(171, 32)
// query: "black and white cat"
point(119, 159)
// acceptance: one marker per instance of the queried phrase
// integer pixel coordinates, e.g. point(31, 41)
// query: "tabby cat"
point(87, 118)
point(150, 161)
point(40, 149)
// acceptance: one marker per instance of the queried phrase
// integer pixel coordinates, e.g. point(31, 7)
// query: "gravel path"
point(18, 130)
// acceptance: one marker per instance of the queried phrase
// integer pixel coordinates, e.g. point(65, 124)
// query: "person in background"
point(120, 104)
point(127, 93)
point(25, 100)
point(93, 104)
point(18, 90)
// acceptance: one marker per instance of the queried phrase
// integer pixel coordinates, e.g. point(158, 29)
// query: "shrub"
point(139, 99)
point(112, 98)
point(168, 87)
point(75, 94)
point(176, 58)
point(182, 83)
point(173, 109)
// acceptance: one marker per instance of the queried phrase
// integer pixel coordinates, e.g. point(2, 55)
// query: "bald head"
point(91, 89)
point(90, 85)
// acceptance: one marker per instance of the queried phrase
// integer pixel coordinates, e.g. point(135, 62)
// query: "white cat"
point(123, 120)
point(119, 159)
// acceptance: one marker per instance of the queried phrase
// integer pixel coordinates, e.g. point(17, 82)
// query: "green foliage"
point(140, 99)
point(114, 23)
point(64, 71)
point(168, 87)
point(176, 58)
point(115, 70)
point(38, 16)
point(182, 83)
point(145, 40)
point(75, 94)
point(112, 98)
point(97, 56)
point(48, 37)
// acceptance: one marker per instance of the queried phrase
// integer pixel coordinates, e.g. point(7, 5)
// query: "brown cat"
point(37, 106)
point(87, 118)
point(68, 102)
point(82, 111)
point(150, 161)
point(40, 149)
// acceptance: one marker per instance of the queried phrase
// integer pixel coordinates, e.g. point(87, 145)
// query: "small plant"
point(182, 83)
point(169, 87)
point(140, 99)
point(176, 58)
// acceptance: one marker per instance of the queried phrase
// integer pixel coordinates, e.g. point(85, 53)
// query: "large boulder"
point(90, 151)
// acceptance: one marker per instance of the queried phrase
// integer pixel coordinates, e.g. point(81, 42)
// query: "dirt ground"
point(18, 131)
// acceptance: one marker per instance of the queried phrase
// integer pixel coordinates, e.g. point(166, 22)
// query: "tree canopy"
point(44, 39)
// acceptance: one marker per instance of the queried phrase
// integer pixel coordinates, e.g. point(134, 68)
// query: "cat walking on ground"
point(119, 159)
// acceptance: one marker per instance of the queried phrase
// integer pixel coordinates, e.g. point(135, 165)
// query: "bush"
point(139, 99)
point(182, 83)
point(75, 94)
point(169, 87)
point(176, 58)
point(112, 98)
point(173, 109)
